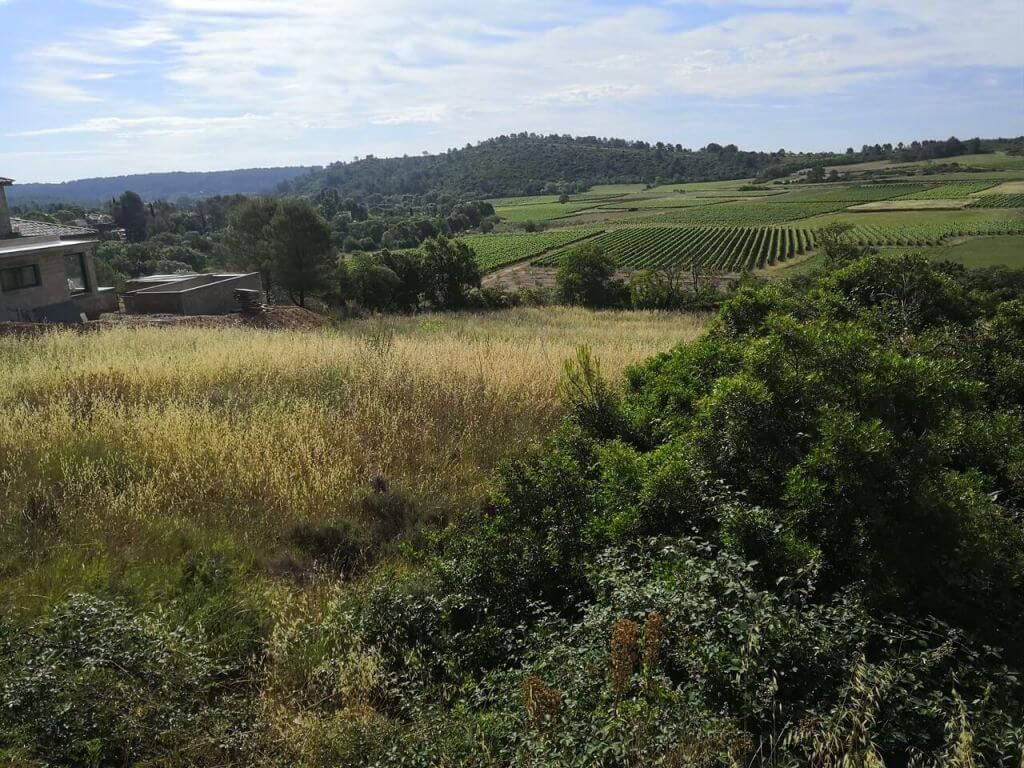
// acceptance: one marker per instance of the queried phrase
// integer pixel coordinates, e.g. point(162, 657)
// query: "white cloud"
point(267, 71)
point(157, 124)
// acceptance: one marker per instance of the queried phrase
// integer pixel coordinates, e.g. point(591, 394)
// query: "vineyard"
point(861, 194)
point(741, 214)
point(666, 202)
point(950, 191)
point(999, 201)
point(931, 234)
point(734, 249)
point(495, 251)
point(541, 211)
point(730, 249)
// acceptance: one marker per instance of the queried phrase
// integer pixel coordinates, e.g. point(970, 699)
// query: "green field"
point(999, 201)
point(541, 212)
point(950, 191)
point(730, 249)
point(495, 251)
point(741, 213)
point(720, 226)
point(1004, 250)
point(677, 201)
point(850, 193)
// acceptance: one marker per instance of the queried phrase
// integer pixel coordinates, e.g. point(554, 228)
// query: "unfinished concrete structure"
point(48, 271)
point(189, 294)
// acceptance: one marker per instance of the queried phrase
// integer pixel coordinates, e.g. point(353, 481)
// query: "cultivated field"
point(495, 251)
point(736, 225)
point(730, 249)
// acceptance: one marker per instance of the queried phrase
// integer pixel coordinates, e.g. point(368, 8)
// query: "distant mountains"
point(506, 166)
point(157, 186)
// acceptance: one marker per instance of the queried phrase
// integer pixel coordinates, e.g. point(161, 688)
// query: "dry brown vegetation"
point(127, 446)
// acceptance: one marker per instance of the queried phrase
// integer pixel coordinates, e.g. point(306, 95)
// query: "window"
point(74, 267)
point(16, 278)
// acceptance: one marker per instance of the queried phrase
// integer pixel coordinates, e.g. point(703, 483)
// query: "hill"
point(157, 186)
point(528, 164)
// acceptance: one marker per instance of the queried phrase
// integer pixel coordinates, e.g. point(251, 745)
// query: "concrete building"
point(188, 294)
point(48, 271)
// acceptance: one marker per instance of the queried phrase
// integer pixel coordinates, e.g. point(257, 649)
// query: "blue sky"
point(107, 87)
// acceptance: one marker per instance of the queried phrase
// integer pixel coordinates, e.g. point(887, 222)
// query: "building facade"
point(48, 271)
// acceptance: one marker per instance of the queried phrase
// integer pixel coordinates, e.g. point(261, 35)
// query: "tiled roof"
point(29, 228)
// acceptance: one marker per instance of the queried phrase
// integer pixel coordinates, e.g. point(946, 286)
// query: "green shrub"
point(96, 683)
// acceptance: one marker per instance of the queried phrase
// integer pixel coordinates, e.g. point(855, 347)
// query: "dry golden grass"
point(128, 444)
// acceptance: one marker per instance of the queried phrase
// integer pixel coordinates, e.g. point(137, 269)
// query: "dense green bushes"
point(798, 541)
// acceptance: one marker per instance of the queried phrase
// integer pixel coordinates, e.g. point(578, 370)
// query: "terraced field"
point(730, 249)
point(495, 251)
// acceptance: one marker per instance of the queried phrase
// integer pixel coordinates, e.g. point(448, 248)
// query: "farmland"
point(739, 213)
point(851, 194)
point(735, 225)
point(495, 251)
point(999, 201)
point(541, 211)
point(721, 248)
point(950, 191)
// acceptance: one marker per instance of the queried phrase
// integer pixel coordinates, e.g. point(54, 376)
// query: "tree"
point(130, 214)
point(563, 198)
point(836, 246)
point(374, 286)
point(448, 270)
point(302, 257)
point(585, 277)
point(249, 237)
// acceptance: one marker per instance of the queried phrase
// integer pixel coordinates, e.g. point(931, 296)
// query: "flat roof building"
point(48, 271)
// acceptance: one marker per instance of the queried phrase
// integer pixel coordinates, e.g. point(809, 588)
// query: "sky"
point(107, 87)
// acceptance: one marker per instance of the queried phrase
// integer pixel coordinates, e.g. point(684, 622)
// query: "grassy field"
point(124, 450)
point(1003, 251)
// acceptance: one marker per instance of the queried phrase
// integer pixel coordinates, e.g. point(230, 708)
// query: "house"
point(48, 271)
point(188, 294)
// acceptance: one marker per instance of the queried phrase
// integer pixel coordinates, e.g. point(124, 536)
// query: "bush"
point(585, 278)
point(95, 683)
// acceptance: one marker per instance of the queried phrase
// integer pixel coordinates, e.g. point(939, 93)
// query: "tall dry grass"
point(128, 446)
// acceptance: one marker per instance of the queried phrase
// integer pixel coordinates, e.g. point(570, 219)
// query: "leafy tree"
point(302, 253)
point(249, 237)
point(585, 277)
point(130, 213)
point(449, 270)
point(838, 249)
point(373, 285)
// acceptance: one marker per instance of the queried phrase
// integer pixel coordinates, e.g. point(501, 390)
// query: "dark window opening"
point(16, 278)
point(74, 267)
